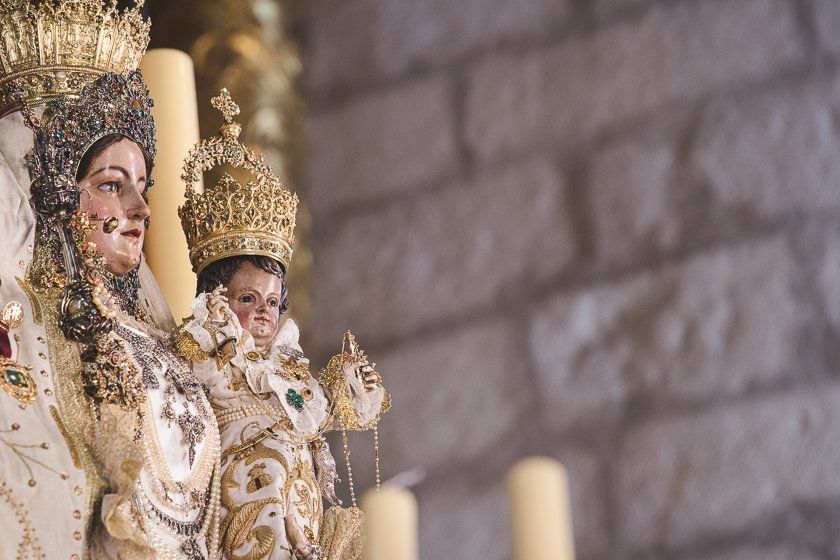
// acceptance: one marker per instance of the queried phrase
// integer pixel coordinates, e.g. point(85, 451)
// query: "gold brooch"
point(17, 381)
point(255, 356)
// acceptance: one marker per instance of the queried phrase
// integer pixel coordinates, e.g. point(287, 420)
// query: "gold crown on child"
point(230, 219)
point(51, 48)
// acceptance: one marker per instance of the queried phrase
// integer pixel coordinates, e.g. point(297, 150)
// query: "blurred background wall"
point(607, 231)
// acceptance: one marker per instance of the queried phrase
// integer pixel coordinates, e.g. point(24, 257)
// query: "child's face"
point(254, 295)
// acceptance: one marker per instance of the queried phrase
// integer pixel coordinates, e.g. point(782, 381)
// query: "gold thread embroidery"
point(29, 542)
point(37, 316)
point(73, 405)
point(238, 525)
point(25, 457)
point(308, 504)
point(258, 478)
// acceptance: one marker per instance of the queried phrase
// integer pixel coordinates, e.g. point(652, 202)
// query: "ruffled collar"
point(286, 342)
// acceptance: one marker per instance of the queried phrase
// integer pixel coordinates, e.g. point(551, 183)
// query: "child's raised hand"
point(216, 303)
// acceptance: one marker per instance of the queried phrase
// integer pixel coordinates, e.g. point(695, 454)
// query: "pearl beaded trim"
point(235, 414)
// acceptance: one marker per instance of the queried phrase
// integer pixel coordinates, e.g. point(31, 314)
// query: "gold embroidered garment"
point(47, 485)
point(271, 415)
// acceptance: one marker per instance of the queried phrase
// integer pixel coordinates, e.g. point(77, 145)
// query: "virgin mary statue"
point(109, 448)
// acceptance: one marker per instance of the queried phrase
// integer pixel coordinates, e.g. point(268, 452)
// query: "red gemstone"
point(5, 344)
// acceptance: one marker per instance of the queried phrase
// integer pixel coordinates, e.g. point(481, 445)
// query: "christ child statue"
point(272, 412)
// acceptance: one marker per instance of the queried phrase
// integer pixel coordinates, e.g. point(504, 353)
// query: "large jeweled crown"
point(50, 48)
point(231, 218)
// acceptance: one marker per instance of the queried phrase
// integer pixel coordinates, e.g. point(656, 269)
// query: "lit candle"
point(390, 524)
point(540, 510)
point(170, 77)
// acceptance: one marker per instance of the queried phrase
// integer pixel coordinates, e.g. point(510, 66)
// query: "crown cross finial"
point(226, 105)
point(229, 109)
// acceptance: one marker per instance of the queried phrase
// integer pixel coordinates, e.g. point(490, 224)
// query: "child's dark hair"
point(221, 272)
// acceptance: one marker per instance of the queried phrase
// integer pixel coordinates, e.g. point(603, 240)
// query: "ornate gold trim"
point(74, 454)
point(37, 315)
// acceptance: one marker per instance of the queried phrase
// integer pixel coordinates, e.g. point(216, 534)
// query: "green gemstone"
point(294, 399)
point(15, 378)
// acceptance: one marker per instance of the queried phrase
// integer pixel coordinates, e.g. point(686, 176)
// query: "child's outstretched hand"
point(216, 303)
point(367, 374)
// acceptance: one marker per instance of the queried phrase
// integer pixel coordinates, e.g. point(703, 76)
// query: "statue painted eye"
point(110, 186)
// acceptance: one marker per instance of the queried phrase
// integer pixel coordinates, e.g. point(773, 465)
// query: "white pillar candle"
point(538, 489)
point(390, 524)
point(170, 77)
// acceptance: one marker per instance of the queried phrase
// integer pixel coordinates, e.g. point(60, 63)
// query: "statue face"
point(254, 295)
point(112, 195)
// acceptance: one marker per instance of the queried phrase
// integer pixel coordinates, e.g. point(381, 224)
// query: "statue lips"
point(133, 238)
point(134, 234)
point(263, 325)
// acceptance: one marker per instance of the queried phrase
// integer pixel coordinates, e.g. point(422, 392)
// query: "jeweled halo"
point(112, 104)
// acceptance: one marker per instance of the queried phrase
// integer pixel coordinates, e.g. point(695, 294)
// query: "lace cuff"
point(206, 332)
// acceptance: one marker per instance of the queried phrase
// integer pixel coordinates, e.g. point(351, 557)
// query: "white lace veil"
point(152, 300)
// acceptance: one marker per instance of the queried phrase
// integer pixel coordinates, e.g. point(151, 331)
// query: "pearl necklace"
point(185, 532)
point(164, 482)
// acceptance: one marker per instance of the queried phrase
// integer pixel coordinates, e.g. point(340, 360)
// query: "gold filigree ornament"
point(230, 218)
point(295, 370)
point(12, 316)
point(57, 47)
point(112, 375)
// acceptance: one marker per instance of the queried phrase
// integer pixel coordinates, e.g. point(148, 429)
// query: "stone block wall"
point(607, 231)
